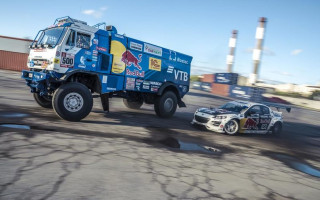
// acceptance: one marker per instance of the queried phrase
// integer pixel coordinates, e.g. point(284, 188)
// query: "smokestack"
point(256, 57)
point(232, 45)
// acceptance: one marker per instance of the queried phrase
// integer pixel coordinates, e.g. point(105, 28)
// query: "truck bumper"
point(36, 80)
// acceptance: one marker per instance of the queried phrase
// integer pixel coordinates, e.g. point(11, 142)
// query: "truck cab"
point(71, 54)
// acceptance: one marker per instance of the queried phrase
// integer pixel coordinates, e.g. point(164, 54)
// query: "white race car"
point(241, 117)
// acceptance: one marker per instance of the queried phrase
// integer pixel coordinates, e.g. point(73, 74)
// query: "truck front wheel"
point(165, 106)
point(43, 101)
point(72, 101)
point(132, 104)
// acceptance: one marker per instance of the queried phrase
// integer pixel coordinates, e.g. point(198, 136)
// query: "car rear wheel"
point(231, 127)
point(72, 101)
point(43, 101)
point(277, 128)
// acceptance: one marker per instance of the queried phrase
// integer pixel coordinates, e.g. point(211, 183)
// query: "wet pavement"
point(128, 154)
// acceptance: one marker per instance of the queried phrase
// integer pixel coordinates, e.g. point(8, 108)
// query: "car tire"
point(166, 104)
point(231, 127)
point(132, 104)
point(277, 128)
point(72, 101)
point(45, 102)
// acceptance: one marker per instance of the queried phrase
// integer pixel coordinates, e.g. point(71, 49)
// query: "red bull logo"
point(128, 58)
point(251, 124)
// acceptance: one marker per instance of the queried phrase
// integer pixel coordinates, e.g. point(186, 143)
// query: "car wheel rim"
point(231, 127)
point(168, 105)
point(73, 102)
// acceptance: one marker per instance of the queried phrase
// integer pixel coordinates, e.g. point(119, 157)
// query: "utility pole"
point(232, 46)
point(256, 57)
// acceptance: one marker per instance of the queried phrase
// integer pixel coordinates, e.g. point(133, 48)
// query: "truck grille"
point(40, 62)
point(201, 119)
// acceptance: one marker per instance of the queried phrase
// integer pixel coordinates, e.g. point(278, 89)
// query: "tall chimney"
point(232, 45)
point(257, 52)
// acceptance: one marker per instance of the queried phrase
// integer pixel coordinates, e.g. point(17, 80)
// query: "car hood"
point(216, 111)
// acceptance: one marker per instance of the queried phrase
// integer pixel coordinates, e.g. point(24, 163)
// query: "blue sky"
point(200, 28)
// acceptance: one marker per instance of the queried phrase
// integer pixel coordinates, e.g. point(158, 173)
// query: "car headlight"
point(221, 117)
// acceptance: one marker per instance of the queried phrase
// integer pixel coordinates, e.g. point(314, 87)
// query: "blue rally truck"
point(70, 60)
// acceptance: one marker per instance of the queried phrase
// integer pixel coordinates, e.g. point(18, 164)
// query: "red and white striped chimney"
point(232, 46)
point(257, 52)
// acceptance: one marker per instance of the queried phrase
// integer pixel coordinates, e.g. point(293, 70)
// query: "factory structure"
point(14, 53)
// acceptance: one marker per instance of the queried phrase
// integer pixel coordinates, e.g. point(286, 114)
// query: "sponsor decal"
point(94, 52)
point(146, 85)
point(93, 65)
point(67, 60)
point(138, 83)
point(39, 50)
point(56, 60)
point(117, 49)
point(101, 48)
point(129, 59)
point(154, 88)
point(135, 46)
point(130, 83)
point(155, 83)
point(148, 48)
point(119, 36)
point(31, 63)
point(251, 124)
point(58, 54)
point(170, 69)
point(94, 58)
point(182, 61)
point(154, 64)
point(104, 79)
point(82, 60)
point(95, 41)
point(134, 73)
point(82, 66)
point(88, 53)
point(173, 56)
point(180, 75)
point(109, 88)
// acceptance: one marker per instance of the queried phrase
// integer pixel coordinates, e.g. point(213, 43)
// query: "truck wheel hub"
point(73, 102)
point(168, 105)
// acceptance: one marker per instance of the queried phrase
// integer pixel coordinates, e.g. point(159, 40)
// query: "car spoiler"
point(278, 106)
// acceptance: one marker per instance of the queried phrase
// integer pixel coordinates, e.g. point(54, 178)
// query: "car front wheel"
point(231, 127)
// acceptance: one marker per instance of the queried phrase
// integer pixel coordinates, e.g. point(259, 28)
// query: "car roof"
point(246, 103)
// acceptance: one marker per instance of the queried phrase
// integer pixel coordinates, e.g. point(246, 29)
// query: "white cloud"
point(296, 52)
point(95, 13)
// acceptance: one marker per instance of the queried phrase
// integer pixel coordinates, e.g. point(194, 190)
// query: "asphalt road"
point(128, 154)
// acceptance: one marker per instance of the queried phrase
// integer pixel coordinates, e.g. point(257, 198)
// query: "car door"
point(265, 119)
point(251, 120)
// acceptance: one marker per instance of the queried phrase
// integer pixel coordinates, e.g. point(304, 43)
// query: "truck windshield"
point(233, 107)
point(51, 37)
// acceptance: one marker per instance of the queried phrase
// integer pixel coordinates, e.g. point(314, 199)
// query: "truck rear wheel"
point(43, 101)
point(165, 106)
point(132, 104)
point(72, 101)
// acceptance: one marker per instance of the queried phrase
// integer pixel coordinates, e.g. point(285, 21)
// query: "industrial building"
point(14, 53)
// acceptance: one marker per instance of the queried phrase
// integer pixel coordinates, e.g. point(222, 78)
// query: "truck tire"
point(72, 101)
point(166, 104)
point(132, 104)
point(45, 102)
